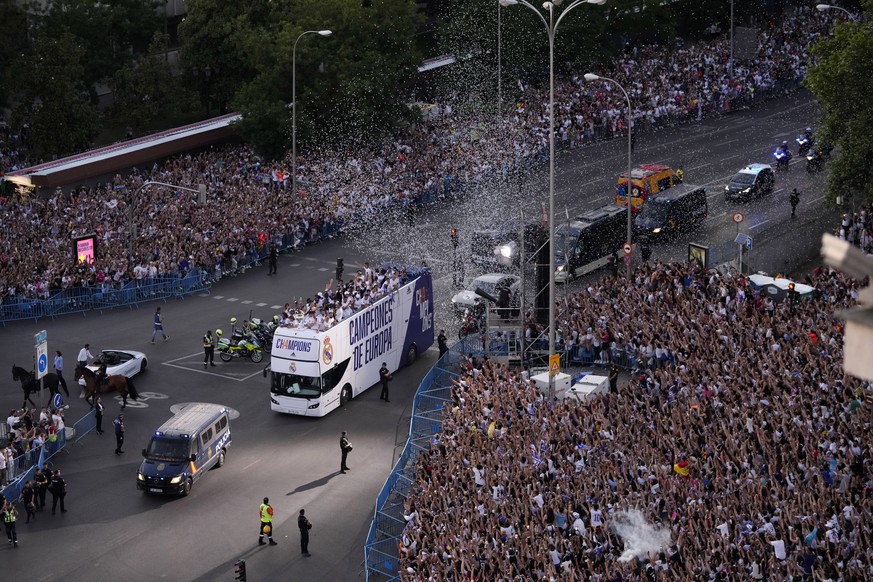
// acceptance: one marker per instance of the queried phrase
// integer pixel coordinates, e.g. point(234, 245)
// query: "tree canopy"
point(838, 81)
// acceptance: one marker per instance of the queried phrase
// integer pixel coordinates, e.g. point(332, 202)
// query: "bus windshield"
point(655, 211)
point(294, 385)
point(565, 241)
point(165, 449)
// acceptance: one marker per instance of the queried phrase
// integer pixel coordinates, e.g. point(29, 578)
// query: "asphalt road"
point(112, 531)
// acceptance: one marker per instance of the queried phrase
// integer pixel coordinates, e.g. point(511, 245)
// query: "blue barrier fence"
point(106, 296)
point(25, 465)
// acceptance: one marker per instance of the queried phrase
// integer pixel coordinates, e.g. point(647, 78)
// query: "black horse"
point(30, 384)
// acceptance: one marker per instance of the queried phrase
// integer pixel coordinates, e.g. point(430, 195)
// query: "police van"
point(681, 208)
point(184, 448)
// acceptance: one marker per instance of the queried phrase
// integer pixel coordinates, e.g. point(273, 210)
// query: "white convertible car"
point(119, 362)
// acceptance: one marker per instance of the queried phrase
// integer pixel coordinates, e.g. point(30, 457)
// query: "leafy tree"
point(110, 31)
point(13, 45)
point(54, 98)
point(838, 81)
point(349, 86)
point(146, 89)
point(215, 36)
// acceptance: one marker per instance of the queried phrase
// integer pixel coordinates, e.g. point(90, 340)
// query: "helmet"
point(808, 130)
point(276, 318)
point(218, 332)
point(785, 144)
point(232, 320)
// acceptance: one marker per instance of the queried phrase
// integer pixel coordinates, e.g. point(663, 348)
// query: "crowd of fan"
point(857, 228)
point(29, 430)
point(249, 202)
point(744, 456)
point(331, 306)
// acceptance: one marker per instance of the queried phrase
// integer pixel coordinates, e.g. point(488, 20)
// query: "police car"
point(753, 181)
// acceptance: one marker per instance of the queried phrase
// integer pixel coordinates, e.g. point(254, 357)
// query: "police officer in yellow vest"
point(9, 515)
point(208, 349)
point(266, 523)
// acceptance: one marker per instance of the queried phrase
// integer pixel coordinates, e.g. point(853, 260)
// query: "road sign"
point(738, 217)
point(58, 401)
point(554, 364)
point(40, 340)
point(744, 239)
point(628, 260)
point(627, 248)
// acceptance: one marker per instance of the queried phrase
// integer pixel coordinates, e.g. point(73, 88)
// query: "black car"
point(753, 181)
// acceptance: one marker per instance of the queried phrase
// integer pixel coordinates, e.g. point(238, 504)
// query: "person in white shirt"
point(578, 525)
point(84, 355)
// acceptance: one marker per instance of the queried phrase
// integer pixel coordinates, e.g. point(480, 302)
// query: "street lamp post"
point(294, 105)
point(731, 65)
point(551, 30)
point(825, 7)
point(592, 77)
point(499, 61)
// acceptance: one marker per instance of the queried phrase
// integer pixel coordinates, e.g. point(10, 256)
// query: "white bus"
point(313, 372)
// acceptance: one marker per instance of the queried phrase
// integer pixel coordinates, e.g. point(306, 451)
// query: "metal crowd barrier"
point(25, 465)
point(100, 297)
point(84, 425)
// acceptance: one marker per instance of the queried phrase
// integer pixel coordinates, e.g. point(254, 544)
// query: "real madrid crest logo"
point(327, 351)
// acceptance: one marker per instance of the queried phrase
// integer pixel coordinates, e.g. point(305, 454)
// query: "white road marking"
point(250, 465)
point(199, 362)
point(760, 223)
point(277, 307)
point(232, 299)
point(218, 296)
point(260, 304)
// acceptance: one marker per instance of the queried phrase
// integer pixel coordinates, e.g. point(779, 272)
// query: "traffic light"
point(454, 234)
point(339, 269)
point(792, 294)
point(239, 568)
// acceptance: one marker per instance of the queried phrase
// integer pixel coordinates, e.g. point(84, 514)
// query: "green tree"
point(838, 81)
point(54, 99)
point(14, 44)
point(112, 32)
point(349, 86)
point(146, 90)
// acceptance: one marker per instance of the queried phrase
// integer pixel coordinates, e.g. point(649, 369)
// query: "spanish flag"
point(681, 468)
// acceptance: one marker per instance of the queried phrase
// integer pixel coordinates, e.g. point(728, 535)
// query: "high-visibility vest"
point(8, 517)
point(266, 513)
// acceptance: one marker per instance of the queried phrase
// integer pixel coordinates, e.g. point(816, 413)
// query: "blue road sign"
point(58, 401)
point(42, 364)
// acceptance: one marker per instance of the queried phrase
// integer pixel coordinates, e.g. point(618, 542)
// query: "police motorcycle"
point(804, 141)
point(816, 158)
point(783, 156)
point(241, 344)
point(263, 332)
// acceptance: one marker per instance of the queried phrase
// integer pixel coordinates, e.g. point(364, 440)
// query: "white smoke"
point(639, 536)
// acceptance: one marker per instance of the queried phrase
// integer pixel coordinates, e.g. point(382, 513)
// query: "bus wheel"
point(345, 395)
point(411, 354)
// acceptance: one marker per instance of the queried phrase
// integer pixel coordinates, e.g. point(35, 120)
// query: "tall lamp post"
point(630, 187)
point(294, 105)
point(551, 30)
point(826, 7)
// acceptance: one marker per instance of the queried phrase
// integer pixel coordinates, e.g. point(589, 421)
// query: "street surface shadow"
point(314, 484)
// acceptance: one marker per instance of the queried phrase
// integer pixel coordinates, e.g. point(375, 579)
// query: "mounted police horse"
point(29, 384)
point(115, 383)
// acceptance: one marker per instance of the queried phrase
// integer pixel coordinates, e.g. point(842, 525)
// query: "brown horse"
point(117, 383)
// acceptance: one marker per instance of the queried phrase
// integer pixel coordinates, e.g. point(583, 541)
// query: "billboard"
point(84, 248)
point(698, 254)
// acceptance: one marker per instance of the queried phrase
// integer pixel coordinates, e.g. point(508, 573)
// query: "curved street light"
point(826, 7)
point(551, 30)
point(592, 77)
point(294, 105)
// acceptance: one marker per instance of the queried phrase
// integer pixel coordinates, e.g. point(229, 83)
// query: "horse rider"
point(101, 375)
